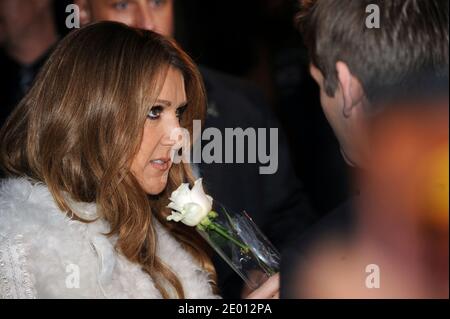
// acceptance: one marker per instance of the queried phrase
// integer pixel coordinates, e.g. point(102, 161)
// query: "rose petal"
point(181, 196)
point(175, 206)
point(193, 214)
point(176, 217)
point(198, 196)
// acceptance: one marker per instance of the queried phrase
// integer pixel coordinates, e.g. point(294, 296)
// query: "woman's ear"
point(351, 88)
point(85, 11)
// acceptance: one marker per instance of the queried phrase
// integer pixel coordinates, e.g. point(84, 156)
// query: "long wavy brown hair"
point(81, 125)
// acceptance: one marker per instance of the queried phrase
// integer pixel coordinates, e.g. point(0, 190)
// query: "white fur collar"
point(52, 242)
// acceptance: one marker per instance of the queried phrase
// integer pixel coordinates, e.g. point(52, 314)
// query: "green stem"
point(221, 227)
point(224, 233)
point(208, 224)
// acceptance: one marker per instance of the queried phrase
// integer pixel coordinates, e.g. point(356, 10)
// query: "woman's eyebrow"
point(164, 102)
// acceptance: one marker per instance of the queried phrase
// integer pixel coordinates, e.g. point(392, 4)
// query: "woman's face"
point(152, 163)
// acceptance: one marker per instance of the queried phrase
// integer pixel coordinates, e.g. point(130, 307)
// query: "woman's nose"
point(172, 132)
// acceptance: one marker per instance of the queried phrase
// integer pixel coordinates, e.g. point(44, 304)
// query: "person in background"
point(359, 70)
point(398, 247)
point(275, 202)
point(27, 35)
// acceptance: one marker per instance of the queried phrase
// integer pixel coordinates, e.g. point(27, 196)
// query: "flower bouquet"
point(234, 236)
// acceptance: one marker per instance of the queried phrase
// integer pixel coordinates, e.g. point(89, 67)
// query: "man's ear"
point(352, 90)
point(85, 11)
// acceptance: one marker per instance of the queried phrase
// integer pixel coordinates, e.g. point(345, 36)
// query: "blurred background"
point(402, 220)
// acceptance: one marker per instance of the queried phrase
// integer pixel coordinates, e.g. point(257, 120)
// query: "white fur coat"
point(44, 254)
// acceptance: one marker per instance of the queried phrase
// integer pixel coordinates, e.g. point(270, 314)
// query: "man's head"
point(355, 65)
point(19, 19)
point(155, 15)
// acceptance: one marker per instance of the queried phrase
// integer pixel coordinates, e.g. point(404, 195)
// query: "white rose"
point(190, 206)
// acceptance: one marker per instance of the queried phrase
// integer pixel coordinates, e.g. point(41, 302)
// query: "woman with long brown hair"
point(88, 156)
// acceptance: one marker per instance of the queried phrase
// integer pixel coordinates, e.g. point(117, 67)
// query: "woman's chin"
point(155, 188)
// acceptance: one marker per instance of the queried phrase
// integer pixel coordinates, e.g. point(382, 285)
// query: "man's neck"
point(33, 45)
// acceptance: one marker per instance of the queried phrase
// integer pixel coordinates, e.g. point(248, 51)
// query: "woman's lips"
point(161, 164)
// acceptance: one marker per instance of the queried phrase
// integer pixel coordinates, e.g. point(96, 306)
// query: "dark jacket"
point(276, 202)
point(15, 81)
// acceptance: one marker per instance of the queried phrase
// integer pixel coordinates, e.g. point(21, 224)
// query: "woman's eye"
point(121, 5)
point(155, 113)
point(180, 111)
